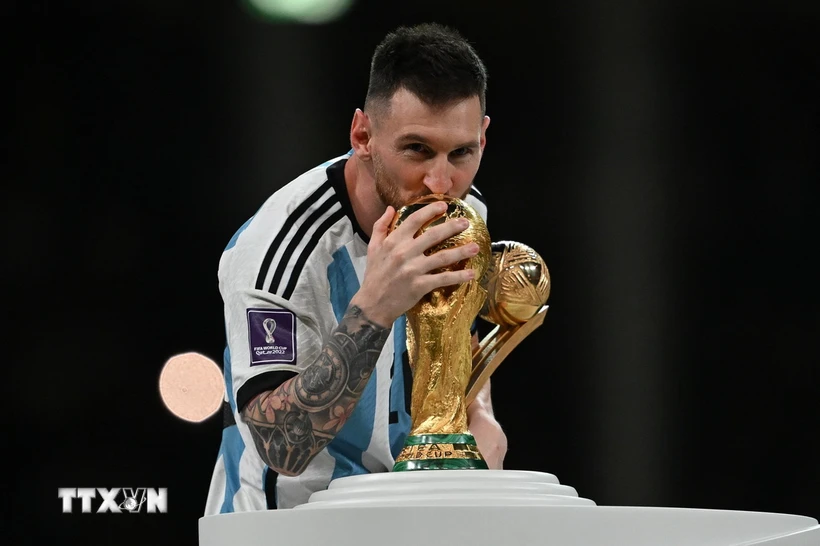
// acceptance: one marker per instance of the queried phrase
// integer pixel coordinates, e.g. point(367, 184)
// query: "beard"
point(389, 192)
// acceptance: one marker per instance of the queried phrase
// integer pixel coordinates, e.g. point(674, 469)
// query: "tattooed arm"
point(295, 421)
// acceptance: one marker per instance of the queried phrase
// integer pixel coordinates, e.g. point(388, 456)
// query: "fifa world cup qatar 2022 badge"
point(272, 336)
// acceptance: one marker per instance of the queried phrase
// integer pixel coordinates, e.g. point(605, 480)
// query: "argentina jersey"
point(286, 279)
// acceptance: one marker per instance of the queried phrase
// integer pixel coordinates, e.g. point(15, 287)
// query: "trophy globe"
point(517, 284)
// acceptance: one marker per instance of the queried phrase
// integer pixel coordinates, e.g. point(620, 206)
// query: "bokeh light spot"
point(191, 386)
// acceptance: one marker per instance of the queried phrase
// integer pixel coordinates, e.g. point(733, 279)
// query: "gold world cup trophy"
point(510, 290)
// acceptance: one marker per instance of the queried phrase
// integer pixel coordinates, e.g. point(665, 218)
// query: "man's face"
point(419, 150)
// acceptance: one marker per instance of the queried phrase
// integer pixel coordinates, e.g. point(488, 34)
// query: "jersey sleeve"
point(270, 340)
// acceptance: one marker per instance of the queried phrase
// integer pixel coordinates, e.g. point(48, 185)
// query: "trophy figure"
point(446, 374)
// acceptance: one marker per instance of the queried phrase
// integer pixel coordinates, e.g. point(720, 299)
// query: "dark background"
point(662, 158)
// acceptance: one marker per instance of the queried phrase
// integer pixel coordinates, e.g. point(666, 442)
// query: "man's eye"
point(417, 148)
point(461, 152)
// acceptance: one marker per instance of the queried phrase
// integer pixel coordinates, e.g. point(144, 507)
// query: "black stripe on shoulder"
point(336, 174)
point(286, 227)
point(266, 381)
point(477, 194)
point(314, 240)
point(296, 240)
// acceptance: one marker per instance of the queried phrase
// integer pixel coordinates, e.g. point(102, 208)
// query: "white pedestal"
point(493, 508)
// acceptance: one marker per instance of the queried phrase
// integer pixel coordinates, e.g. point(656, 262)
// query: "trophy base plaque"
point(439, 452)
point(492, 508)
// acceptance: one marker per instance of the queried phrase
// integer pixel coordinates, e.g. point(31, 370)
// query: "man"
point(318, 383)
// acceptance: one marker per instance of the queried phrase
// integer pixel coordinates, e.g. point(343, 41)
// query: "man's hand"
point(489, 436)
point(399, 273)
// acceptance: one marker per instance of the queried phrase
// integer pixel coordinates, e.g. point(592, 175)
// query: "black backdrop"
point(663, 159)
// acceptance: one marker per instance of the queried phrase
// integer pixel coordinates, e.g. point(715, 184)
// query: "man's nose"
point(437, 179)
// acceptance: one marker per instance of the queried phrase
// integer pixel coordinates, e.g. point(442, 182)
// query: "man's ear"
point(360, 135)
point(483, 139)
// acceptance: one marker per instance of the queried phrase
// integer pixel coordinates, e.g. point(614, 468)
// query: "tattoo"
point(295, 421)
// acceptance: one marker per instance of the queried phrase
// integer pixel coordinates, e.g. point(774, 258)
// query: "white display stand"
point(492, 508)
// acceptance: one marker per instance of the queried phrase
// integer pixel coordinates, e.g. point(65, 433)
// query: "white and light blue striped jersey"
point(286, 279)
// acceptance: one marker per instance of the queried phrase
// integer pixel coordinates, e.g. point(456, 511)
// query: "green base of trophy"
point(439, 452)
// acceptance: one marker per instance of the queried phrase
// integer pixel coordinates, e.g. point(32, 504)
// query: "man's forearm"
point(295, 421)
